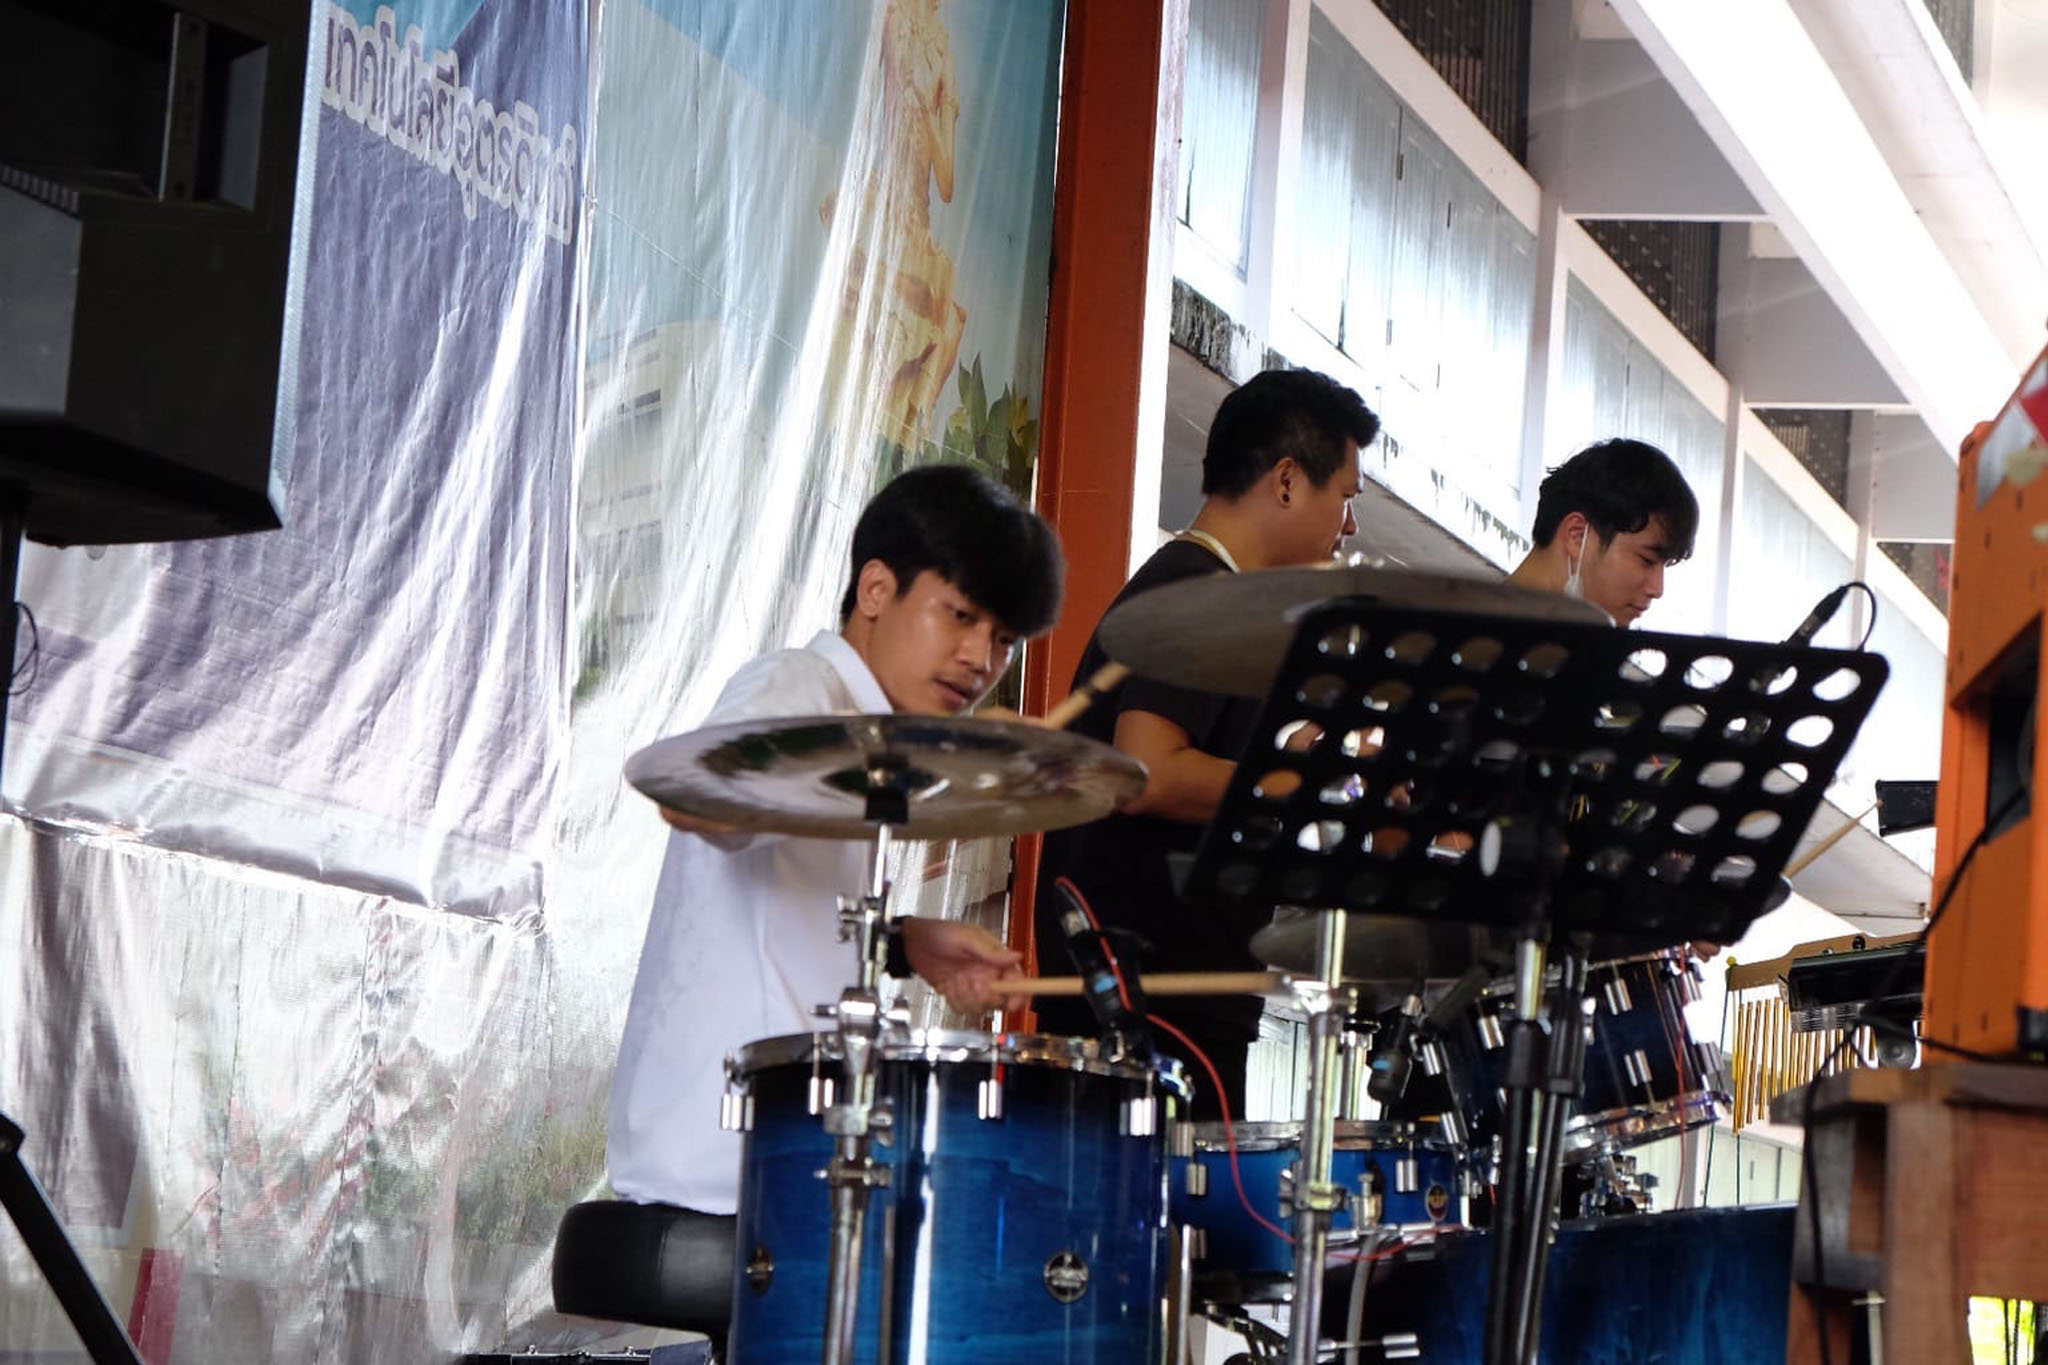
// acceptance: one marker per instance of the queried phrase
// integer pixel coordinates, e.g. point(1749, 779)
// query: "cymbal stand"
point(852, 1119)
point(1316, 1198)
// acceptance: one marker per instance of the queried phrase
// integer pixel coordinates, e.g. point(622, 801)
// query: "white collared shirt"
point(742, 943)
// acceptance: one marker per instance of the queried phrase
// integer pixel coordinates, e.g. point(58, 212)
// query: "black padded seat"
point(651, 1264)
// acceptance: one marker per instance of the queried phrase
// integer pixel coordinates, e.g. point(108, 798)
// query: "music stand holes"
point(1302, 886)
point(1322, 691)
point(1257, 836)
point(1386, 843)
point(1496, 755)
point(1734, 870)
point(1344, 791)
point(1747, 728)
point(1595, 765)
point(1809, 732)
point(1633, 817)
point(1838, 685)
point(1544, 660)
point(1342, 642)
point(1683, 721)
point(1277, 785)
point(1695, 820)
point(1656, 769)
point(1388, 696)
point(1453, 701)
point(1721, 774)
point(1366, 743)
point(1522, 708)
point(1412, 648)
point(1320, 836)
point(1673, 866)
point(1785, 778)
point(1478, 654)
point(1238, 880)
point(1298, 737)
point(1452, 846)
point(1612, 863)
point(1774, 682)
point(1644, 666)
point(1709, 672)
point(1758, 825)
point(1408, 795)
point(1618, 716)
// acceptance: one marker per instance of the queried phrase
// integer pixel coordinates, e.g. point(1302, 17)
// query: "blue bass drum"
point(1398, 1175)
point(1024, 1218)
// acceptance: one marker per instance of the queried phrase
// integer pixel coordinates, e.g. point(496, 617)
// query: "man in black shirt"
point(1278, 475)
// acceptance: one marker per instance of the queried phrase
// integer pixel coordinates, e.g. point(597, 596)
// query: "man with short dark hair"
point(1279, 472)
point(1609, 521)
point(949, 574)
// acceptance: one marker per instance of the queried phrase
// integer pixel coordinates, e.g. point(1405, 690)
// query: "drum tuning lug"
point(1140, 1117)
point(882, 1122)
point(1431, 1055)
point(1181, 1141)
point(1198, 1244)
point(1615, 990)
point(820, 1096)
point(1490, 1034)
point(736, 1111)
point(1407, 1175)
point(988, 1098)
point(1197, 1180)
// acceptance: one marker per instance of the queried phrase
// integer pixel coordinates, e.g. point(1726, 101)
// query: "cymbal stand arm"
point(1316, 1198)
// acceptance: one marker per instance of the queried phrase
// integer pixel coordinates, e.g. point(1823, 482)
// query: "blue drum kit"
point(936, 1196)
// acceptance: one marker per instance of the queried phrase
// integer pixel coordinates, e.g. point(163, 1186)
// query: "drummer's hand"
point(695, 824)
point(963, 962)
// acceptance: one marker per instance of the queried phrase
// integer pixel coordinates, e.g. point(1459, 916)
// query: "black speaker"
point(155, 185)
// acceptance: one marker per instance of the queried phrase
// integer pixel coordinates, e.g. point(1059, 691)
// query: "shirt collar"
point(868, 696)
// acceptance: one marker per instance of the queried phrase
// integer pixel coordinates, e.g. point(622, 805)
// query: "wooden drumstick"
point(1159, 983)
point(1083, 697)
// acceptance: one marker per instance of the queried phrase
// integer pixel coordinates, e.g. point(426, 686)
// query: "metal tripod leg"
point(1315, 1198)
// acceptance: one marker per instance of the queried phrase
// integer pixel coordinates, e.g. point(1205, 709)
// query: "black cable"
point(1871, 628)
point(33, 664)
point(1809, 1187)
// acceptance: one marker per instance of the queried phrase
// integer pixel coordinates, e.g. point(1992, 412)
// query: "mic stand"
point(91, 1317)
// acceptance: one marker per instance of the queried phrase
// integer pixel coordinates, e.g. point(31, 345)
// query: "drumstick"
point(1161, 983)
point(1807, 859)
point(1082, 697)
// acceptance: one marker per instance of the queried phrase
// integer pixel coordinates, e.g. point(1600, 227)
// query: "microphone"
point(1118, 1003)
point(1823, 611)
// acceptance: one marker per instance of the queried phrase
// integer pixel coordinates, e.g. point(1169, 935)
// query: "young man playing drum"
point(949, 574)
point(1278, 475)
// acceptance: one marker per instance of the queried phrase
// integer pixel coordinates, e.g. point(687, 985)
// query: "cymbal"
point(833, 777)
point(1228, 632)
point(1393, 953)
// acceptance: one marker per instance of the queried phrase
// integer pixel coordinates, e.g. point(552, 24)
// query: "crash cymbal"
point(835, 777)
point(1228, 632)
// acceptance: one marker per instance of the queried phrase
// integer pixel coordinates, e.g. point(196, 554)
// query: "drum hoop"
point(1053, 1051)
point(1362, 1135)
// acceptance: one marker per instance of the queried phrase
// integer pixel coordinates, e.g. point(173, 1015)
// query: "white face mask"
point(1574, 582)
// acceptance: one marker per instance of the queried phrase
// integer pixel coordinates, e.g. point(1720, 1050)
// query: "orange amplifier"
point(1987, 961)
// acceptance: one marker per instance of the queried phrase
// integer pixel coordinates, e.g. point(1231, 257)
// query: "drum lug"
point(882, 1122)
point(1616, 993)
point(819, 1098)
point(736, 1111)
point(1637, 1066)
point(1181, 1140)
point(1431, 1055)
point(1196, 1180)
point(1490, 1035)
point(1140, 1117)
point(1198, 1243)
point(988, 1098)
point(1407, 1175)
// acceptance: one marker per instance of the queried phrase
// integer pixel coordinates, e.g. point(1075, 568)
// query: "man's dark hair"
point(1278, 413)
point(972, 532)
point(1619, 486)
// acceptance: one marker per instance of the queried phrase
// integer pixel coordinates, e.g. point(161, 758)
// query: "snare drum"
point(1023, 1215)
point(1396, 1175)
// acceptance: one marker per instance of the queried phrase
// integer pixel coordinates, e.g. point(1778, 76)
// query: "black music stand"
point(91, 1317)
point(1624, 791)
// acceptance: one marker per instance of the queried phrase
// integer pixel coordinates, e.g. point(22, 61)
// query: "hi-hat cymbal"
point(1228, 632)
point(1392, 952)
point(835, 777)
